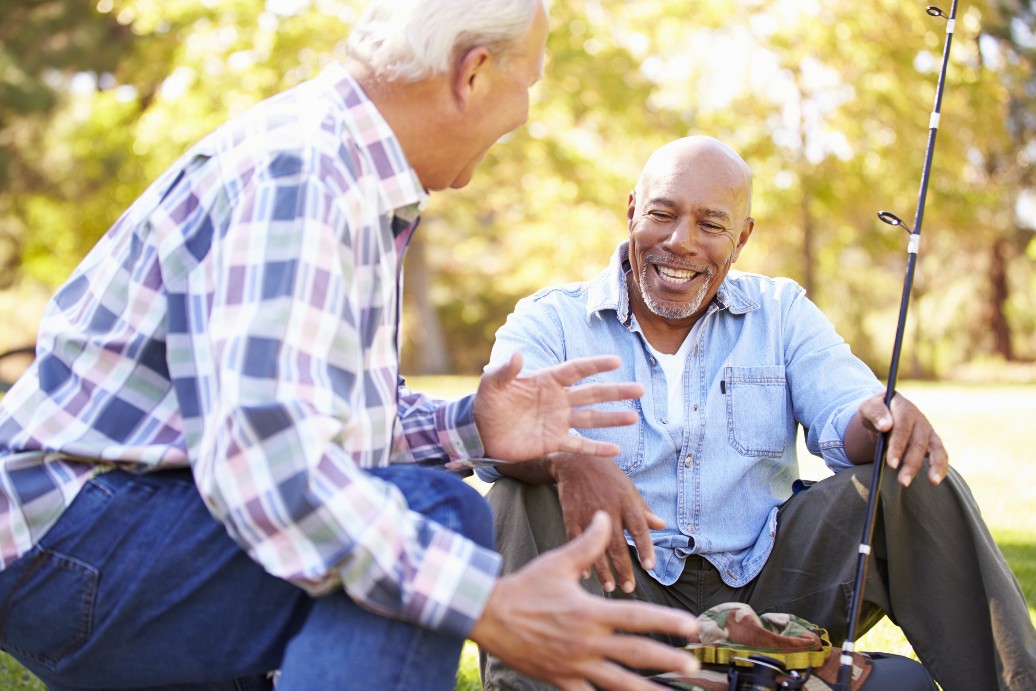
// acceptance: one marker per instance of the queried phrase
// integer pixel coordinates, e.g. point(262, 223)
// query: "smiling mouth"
point(677, 276)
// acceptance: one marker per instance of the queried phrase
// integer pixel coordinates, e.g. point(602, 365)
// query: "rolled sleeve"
point(828, 382)
point(436, 431)
point(453, 584)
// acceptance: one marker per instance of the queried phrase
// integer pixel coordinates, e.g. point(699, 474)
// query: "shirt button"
point(689, 461)
point(695, 407)
point(665, 421)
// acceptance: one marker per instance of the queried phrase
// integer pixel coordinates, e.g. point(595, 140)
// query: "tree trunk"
point(998, 295)
point(428, 353)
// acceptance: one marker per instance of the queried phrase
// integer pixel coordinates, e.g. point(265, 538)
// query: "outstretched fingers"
point(609, 661)
point(572, 371)
point(634, 616)
point(588, 447)
point(609, 676)
point(541, 622)
point(637, 652)
point(589, 417)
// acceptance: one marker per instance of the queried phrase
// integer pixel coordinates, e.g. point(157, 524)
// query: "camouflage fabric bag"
point(734, 630)
point(731, 632)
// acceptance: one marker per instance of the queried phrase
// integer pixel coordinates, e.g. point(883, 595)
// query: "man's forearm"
point(533, 472)
point(859, 442)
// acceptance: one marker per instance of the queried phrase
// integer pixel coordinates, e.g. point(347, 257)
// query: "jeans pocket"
point(48, 613)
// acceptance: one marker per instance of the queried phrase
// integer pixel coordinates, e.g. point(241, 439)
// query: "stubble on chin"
point(669, 310)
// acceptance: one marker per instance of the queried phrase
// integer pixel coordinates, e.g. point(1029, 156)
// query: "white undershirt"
point(673, 367)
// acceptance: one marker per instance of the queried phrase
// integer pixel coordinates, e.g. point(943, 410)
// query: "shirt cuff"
point(832, 443)
point(488, 474)
point(455, 424)
point(453, 585)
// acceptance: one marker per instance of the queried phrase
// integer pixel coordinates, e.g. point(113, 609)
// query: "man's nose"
point(684, 237)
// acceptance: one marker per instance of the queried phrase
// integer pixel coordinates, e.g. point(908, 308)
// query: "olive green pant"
point(934, 570)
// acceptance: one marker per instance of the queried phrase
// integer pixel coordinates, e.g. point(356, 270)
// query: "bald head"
point(703, 155)
point(689, 217)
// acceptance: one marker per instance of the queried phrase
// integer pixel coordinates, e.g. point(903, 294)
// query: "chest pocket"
point(757, 399)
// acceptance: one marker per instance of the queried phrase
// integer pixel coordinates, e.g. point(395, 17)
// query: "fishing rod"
point(846, 663)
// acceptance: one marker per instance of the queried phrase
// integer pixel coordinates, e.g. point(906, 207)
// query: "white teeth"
point(676, 275)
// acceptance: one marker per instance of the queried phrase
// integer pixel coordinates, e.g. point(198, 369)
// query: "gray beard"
point(672, 311)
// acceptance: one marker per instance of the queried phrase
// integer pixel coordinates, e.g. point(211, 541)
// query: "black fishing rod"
point(846, 664)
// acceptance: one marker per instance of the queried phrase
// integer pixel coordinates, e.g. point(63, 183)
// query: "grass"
point(986, 429)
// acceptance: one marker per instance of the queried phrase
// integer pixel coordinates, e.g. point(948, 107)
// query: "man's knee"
point(508, 496)
point(527, 520)
point(463, 510)
point(444, 498)
point(473, 517)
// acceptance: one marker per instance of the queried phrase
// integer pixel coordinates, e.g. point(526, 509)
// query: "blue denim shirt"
point(764, 360)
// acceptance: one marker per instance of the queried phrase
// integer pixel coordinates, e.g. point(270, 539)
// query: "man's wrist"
point(536, 472)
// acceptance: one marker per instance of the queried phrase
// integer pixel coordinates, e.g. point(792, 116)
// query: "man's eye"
point(713, 228)
point(658, 215)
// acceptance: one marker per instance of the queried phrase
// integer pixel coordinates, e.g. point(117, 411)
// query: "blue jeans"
point(138, 587)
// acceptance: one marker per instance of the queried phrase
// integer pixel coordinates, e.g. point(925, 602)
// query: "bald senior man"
point(705, 484)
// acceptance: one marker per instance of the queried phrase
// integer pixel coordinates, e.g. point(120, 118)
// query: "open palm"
point(525, 416)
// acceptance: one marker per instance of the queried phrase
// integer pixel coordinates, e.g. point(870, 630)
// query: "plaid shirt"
point(242, 318)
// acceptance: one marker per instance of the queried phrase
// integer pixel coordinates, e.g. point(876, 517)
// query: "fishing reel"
point(765, 674)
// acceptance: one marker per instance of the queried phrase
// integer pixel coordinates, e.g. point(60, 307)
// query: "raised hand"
point(542, 623)
point(521, 417)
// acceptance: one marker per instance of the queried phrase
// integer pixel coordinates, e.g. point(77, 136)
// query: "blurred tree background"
point(828, 101)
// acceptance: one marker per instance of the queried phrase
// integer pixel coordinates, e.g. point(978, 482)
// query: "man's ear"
point(742, 240)
point(631, 208)
point(469, 75)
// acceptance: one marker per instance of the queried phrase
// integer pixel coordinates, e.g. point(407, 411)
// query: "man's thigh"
point(812, 568)
point(342, 646)
point(137, 585)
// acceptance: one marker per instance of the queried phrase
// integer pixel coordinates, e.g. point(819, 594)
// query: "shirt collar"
point(399, 189)
point(608, 291)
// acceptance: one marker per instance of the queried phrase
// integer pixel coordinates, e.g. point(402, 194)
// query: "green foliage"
point(468, 678)
point(828, 105)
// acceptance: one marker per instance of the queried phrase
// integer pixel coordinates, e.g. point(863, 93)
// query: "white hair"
point(408, 40)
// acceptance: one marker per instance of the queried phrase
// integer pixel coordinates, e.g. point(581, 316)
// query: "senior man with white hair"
point(213, 471)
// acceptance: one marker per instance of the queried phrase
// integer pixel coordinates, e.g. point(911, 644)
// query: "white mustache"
point(675, 263)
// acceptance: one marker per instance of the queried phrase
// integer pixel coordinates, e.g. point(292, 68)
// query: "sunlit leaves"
point(828, 103)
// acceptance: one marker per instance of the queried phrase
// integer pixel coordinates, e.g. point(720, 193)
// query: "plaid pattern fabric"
point(242, 317)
